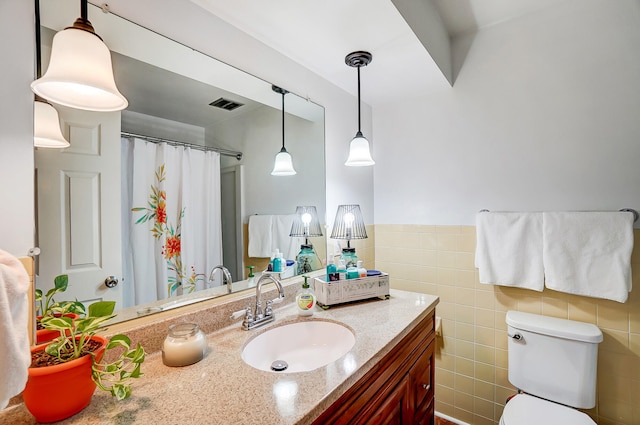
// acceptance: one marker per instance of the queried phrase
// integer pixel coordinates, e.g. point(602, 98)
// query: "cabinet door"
point(389, 409)
point(428, 418)
point(421, 378)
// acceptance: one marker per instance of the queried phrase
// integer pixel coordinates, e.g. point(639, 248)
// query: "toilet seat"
point(525, 409)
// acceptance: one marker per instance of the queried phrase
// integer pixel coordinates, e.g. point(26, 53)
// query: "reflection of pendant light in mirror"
point(46, 124)
point(80, 74)
point(283, 165)
point(359, 154)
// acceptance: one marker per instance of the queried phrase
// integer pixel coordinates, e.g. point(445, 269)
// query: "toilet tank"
point(555, 359)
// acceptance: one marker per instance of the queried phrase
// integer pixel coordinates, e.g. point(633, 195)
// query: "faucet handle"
point(248, 317)
point(269, 310)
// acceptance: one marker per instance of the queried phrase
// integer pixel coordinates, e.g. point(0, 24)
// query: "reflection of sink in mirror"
point(299, 346)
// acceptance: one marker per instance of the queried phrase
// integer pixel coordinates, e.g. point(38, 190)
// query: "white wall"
point(185, 22)
point(189, 24)
point(259, 133)
point(17, 216)
point(544, 115)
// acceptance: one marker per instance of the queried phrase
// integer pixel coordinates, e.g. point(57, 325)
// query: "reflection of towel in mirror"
point(15, 355)
point(260, 236)
point(281, 230)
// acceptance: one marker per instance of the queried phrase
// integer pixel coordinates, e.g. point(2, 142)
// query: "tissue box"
point(343, 291)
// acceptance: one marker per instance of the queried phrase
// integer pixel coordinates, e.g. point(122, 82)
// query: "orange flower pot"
point(57, 392)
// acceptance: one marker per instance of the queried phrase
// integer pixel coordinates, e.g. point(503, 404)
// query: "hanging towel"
point(509, 249)
point(15, 355)
point(260, 236)
point(281, 229)
point(588, 253)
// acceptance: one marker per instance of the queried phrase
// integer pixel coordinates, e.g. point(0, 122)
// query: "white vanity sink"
point(304, 346)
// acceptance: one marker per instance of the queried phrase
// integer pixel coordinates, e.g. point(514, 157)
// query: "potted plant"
point(47, 306)
point(64, 373)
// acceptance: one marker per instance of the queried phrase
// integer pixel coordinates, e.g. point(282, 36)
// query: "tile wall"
point(471, 361)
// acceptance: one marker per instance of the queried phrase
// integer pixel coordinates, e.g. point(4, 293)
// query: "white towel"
point(588, 253)
point(260, 236)
point(281, 229)
point(509, 249)
point(15, 355)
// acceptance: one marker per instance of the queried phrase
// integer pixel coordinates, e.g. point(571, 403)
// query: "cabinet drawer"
point(422, 380)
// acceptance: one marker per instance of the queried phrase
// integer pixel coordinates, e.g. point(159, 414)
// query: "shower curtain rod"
point(221, 151)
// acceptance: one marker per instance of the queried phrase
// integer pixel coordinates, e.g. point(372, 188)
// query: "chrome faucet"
point(226, 276)
point(262, 317)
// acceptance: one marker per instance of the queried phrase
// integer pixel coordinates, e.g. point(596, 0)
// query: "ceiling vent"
point(226, 104)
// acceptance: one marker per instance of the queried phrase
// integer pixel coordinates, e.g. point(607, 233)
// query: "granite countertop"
point(222, 389)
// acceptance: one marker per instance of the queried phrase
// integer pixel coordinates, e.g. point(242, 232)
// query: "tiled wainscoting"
point(471, 359)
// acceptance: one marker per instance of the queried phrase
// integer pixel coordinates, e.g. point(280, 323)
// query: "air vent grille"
point(226, 104)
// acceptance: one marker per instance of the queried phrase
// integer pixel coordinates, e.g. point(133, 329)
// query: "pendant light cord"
point(37, 97)
point(83, 9)
point(38, 38)
point(283, 121)
point(359, 132)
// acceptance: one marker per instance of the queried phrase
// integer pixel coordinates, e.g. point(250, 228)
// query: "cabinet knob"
point(426, 387)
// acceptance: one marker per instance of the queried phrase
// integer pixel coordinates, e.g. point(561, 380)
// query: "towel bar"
point(632, 211)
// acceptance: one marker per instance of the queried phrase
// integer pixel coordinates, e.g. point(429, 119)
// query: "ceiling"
point(319, 34)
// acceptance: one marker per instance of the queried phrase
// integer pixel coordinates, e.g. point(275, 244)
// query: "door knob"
point(111, 282)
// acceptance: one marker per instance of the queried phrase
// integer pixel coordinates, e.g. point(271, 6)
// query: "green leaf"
point(61, 282)
point(51, 292)
point(120, 391)
point(90, 325)
point(102, 308)
point(119, 341)
point(57, 323)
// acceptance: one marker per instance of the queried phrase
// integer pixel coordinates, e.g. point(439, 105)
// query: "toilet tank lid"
point(561, 328)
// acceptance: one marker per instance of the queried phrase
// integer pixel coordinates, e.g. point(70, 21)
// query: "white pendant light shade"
point(80, 74)
point(46, 127)
point(283, 165)
point(359, 154)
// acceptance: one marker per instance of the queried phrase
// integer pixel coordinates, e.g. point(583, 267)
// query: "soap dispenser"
point(305, 299)
point(251, 278)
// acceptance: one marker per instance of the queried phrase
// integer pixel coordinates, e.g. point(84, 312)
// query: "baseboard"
point(450, 419)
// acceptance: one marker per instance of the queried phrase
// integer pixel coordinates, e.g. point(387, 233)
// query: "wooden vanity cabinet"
point(397, 390)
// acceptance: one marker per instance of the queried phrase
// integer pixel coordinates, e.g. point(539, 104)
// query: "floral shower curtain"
point(171, 207)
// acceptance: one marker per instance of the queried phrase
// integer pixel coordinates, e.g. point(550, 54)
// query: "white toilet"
point(553, 363)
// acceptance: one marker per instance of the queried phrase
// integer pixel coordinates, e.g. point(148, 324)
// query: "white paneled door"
point(78, 208)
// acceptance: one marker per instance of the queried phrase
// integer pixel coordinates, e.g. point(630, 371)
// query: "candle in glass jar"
point(184, 345)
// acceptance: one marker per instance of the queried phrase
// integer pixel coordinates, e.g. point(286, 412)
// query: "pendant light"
point(46, 124)
point(359, 154)
point(80, 74)
point(283, 165)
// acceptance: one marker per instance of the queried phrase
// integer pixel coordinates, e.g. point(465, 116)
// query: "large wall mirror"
point(88, 195)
